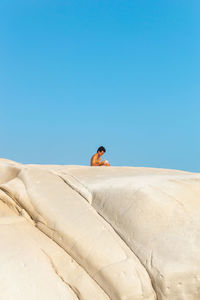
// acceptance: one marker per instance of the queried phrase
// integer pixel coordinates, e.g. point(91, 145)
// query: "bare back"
point(95, 160)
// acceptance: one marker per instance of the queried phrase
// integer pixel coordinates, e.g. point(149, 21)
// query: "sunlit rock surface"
point(95, 233)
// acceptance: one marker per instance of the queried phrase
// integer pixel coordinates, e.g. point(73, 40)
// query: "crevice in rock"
point(118, 234)
point(73, 186)
point(12, 197)
point(71, 255)
point(75, 291)
point(36, 222)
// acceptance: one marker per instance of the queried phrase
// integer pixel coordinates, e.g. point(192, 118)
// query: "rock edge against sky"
point(95, 233)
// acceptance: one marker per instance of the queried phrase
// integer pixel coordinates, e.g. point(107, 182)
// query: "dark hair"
point(101, 149)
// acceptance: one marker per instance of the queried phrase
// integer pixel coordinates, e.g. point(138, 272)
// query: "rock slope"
point(95, 233)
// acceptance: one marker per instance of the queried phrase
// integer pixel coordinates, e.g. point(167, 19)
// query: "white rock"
point(75, 232)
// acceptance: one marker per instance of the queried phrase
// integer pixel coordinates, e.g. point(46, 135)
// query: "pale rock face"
point(95, 233)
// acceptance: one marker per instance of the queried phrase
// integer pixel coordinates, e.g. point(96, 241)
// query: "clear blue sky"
point(75, 75)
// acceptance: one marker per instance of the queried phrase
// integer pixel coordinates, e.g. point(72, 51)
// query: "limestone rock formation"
point(98, 233)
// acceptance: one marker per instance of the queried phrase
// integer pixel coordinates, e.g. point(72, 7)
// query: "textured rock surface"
point(75, 232)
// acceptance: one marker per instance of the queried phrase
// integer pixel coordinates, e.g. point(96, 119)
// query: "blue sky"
point(75, 75)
